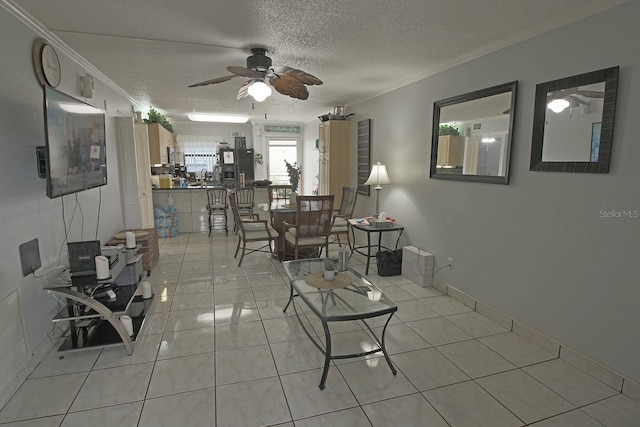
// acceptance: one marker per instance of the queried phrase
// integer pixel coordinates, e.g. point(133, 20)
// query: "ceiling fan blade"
point(290, 86)
point(245, 72)
point(576, 101)
point(244, 90)
point(590, 93)
point(304, 77)
point(213, 81)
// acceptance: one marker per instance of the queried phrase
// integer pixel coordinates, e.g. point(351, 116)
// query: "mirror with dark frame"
point(471, 139)
point(573, 123)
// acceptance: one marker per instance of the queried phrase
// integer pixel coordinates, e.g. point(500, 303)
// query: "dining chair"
point(279, 195)
point(217, 206)
point(245, 201)
point(312, 224)
point(251, 230)
point(341, 216)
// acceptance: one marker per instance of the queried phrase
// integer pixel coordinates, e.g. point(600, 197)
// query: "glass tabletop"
point(361, 299)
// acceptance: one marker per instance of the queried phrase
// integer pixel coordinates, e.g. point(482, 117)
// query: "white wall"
point(25, 211)
point(538, 249)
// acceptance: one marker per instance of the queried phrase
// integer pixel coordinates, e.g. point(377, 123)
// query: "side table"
point(369, 229)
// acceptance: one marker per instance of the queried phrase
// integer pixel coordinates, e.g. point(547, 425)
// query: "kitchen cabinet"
point(450, 150)
point(335, 157)
point(160, 144)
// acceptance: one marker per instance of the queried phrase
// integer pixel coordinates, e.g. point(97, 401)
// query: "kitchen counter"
point(191, 205)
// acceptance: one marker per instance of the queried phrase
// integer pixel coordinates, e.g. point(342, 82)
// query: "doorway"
point(281, 149)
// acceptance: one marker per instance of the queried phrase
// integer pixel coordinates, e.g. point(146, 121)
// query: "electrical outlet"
point(450, 262)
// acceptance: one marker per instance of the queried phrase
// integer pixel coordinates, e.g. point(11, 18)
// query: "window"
point(195, 161)
point(197, 152)
point(279, 151)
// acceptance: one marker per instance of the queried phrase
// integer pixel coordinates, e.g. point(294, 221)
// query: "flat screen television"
point(76, 157)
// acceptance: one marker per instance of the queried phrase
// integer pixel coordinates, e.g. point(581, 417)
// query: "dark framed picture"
point(364, 156)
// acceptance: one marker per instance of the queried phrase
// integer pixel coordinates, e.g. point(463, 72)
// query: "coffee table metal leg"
point(384, 348)
point(327, 354)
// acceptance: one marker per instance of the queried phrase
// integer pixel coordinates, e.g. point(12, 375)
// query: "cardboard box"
point(417, 266)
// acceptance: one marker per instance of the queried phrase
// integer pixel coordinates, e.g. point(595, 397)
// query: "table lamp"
point(378, 177)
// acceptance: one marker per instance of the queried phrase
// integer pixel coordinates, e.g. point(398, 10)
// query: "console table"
point(97, 323)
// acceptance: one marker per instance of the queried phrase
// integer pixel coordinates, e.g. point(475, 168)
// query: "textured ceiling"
point(153, 49)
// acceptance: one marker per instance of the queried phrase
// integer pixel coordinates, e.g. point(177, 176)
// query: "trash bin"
point(389, 263)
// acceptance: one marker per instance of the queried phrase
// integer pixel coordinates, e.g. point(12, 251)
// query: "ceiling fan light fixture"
point(558, 105)
point(217, 118)
point(259, 90)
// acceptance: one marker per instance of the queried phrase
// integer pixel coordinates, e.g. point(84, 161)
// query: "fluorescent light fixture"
point(488, 140)
point(79, 109)
point(217, 118)
point(259, 90)
point(558, 105)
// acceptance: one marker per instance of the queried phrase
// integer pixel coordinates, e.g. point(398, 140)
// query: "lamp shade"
point(259, 90)
point(378, 175)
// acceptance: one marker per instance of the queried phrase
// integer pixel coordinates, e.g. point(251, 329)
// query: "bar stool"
point(217, 206)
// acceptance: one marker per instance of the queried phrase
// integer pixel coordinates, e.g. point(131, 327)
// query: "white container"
point(127, 323)
point(102, 267)
point(147, 292)
point(131, 240)
point(329, 275)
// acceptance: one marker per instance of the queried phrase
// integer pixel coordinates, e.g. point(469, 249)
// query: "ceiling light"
point(217, 118)
point(79, 109)
point(488, 139)
point(558, 105)
point(259, 90)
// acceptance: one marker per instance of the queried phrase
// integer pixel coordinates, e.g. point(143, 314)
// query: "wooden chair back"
point(348, 202)
point(314, 215)
point(279, 195)
point(244, 198)
point(217, 198)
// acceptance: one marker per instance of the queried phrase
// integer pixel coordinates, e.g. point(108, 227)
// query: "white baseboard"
point(602, 373)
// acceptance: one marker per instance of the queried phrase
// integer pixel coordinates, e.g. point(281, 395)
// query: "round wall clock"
point(46, 63)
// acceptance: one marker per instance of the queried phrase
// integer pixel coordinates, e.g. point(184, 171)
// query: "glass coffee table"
point(349, 297)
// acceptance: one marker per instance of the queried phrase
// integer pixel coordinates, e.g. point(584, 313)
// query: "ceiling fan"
point(559, 100)
point(286, 80)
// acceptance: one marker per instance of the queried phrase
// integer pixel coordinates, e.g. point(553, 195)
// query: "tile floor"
point(217, 350)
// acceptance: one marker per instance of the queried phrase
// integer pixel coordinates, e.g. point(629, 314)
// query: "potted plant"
point(329, 269)
point(448, 130)
point(294, 170)
point(156, 117)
